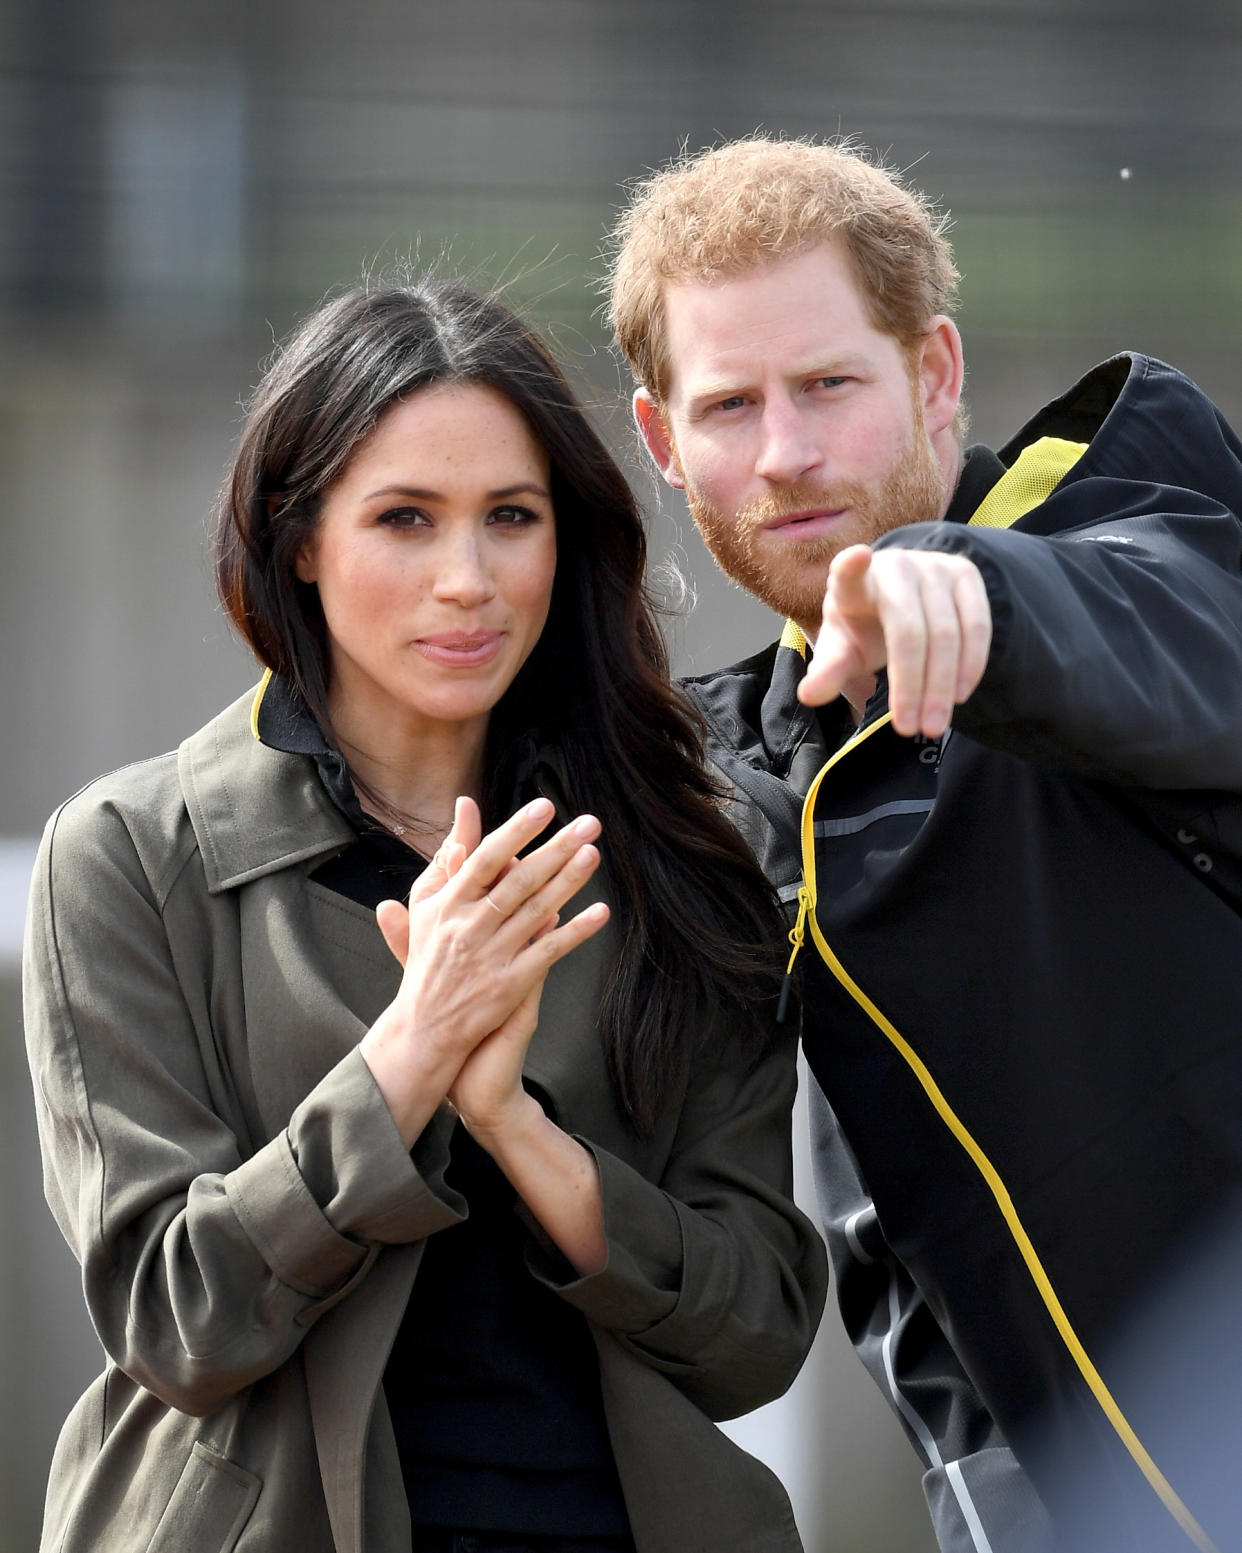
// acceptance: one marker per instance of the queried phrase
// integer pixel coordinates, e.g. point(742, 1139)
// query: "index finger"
point(849, 591)
point(499, 847)
point(848, 609)
point(452, 852)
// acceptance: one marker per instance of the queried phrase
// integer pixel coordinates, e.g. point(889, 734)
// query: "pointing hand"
point(922, 614)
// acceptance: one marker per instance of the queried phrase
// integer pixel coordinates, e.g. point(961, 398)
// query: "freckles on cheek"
point(377, 580)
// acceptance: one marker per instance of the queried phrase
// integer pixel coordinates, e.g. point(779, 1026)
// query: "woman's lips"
point(460, 649)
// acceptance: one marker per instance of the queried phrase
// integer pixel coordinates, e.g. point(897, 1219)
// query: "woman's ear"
point(304, 562)
point(654, 430)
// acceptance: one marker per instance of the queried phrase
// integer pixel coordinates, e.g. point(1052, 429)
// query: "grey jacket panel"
point(250, 1225)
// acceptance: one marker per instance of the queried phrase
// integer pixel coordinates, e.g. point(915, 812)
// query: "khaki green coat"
point(249, 1225)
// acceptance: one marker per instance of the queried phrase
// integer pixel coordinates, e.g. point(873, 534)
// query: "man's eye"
point(733, 402)
point(832, 382)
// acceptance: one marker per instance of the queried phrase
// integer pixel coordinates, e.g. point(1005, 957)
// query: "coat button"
point(1203, 862)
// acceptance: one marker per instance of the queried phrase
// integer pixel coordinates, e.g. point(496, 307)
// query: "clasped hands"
point(476, 941)
point(924, 615)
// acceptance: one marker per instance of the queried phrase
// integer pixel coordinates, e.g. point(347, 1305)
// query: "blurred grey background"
point(180, 180)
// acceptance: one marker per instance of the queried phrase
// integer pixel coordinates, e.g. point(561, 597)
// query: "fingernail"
point(538, 808)
point(584, 825)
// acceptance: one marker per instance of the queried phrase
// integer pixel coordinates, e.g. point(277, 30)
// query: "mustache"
point(783, 501)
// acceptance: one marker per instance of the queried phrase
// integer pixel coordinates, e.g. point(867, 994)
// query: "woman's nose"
point(463, 576)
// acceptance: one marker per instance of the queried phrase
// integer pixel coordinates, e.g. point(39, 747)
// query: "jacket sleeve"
point(977, 1495)
point(204, 1261)
point(1117, 634)
point(713, 1276)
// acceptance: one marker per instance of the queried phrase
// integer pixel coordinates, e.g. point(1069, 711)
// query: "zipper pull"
point(795, 938)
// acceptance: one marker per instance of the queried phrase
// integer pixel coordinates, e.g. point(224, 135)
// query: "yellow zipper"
point(806, 895)
point(795, 938)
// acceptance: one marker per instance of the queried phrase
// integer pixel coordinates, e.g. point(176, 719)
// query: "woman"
point(483, 1198)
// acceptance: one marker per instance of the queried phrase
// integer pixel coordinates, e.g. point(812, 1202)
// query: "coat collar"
point(254, 809)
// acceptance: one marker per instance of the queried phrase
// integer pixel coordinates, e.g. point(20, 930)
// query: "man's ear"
point(940, 373)
point(655, 434)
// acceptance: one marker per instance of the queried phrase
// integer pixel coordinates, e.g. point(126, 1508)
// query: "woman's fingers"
point(490, 1080)
point(471, 964)
point(481, 923)
point(499, 847)
point(463, 837)
point(394, 924)
point(529, 876)
point(530, 905)
point(536, 885)
point(554, 943)
point(467, 829)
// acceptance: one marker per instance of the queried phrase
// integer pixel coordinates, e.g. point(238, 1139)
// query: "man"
point(1019, 940)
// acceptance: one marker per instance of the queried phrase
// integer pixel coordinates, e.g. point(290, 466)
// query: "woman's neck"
point(410, 779)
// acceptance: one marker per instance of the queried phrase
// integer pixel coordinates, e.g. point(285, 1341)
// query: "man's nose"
point(788, 450)
point(463, 576)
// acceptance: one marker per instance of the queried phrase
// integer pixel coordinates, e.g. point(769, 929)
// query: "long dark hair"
point(698, 927)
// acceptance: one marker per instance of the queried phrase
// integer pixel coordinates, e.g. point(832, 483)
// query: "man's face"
point(795, 426)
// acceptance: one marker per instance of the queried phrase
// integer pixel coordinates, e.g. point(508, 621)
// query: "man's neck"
point(952, 462)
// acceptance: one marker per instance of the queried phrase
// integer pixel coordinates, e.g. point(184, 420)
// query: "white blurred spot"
point(1125, 173)
point(17, 855)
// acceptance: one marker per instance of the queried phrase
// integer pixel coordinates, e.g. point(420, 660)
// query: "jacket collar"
point(1144, 420)
point(254, 809)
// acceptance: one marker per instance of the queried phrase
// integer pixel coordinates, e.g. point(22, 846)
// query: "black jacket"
point(1023, 974)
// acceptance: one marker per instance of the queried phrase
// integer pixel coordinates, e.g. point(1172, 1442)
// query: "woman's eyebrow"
point(527, 486)
point(419, 493)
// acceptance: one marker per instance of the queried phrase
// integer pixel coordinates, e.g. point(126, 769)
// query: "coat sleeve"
point(204, 1261)
point(1117, 634)
point(713, 1276)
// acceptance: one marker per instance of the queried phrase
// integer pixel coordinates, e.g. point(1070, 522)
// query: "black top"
point(493, 1381)
point(980, 471)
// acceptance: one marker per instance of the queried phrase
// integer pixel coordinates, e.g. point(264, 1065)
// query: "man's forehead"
point(720, 340)
point(806, 308)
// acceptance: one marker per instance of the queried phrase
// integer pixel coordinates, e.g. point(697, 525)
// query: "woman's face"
point(434, 557)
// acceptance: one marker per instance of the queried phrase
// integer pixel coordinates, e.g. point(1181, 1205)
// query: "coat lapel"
point(342, 976)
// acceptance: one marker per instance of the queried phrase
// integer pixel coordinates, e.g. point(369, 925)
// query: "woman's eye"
point(403, 517)
point(512, 516)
